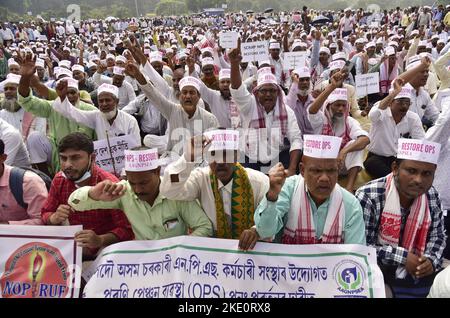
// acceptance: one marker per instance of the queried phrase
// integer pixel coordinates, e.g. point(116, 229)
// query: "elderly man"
point(404, 220)
point(391, 120)
point(208, 77)
point(126, 91)
point(14, 114)
point(228, 193)
point(107, 121)
point(334, 120)
point(152, 216)
point(43, 149)
point(272, 129)
point(311, 208)
point(185, 119)
point(78, 168)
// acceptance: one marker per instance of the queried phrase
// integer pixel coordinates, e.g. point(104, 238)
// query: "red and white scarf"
point(300, 228)
point(327, 128)
point(416, 229)
point(280, 114)
point(385, 78)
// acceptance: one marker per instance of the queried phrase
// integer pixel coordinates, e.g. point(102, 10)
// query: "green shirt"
point(270, 217)
point(166, 218)
point(58, 125)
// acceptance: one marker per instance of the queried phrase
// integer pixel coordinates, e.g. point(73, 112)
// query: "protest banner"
point(254, 51)
point(228, 40)
point(197, 267)
point(367, 84)
point(110, 157)
point(292, 60)
point(39, 261)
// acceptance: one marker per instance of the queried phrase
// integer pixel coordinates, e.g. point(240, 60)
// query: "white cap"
point(337, 94)
point(63, 71)
point(302, 72)
point(406, 92)
point(419, 150)
point(108, 88)
point(360, 41)
point(339, 55)
point(141, 160)
point(71, 82)
point(94, 57)
point(11, 79)
point(223, 139)
point(370, 44)
point(121, 58)
point(423, 43)
point(119, 71)
point(155, 56)
point(336, 65)
point(78, 67)
point(324, 49)
point(224, 74)
point(65, 63)
point(90, 64)
point(393, 43)
point(389, 51)
point(266, 78)
point(274, 46)
point(189, 81)
point(111, 56)
point(11, 61)
point(40, 63)
point(207, 61)
point(333, 45)
point(207, 49)
point(321, 146)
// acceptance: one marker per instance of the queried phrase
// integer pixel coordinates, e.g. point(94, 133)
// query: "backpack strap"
point(16, 185)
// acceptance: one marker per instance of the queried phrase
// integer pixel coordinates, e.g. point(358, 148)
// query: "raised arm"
point(336, 81)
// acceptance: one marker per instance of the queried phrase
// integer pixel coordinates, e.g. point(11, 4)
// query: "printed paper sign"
point(254, 51)
point(197, 267)
point(228, 40)
point(39, 261)
point(293, 60)
point(111, 157)
point(367, 84)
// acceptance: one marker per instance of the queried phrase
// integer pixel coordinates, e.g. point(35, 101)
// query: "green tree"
point(171, 7)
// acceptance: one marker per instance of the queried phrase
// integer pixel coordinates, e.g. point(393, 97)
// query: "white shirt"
point(15, 119)
point(15, 148)
point(151, 117)
point(278, 69)
point(440, 133)
point(126, 91)
point(249, 72)
point(384, 132)
point(123, 124)
point(422, 105)
point(318, 119)
point(6, 34)
point(181, 127)
point(261, 137)
point(195, 184)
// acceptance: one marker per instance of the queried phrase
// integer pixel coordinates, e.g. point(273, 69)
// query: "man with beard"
point(320, 58)
point(152, 216)
point(272, 129)
point(334, 120)
point(107, 121)
point(78, 169)
point(311, 208)
point(14, 114)
point(125, 89)
point(300, 98)
point(208, 77)
point(391, 120)
point(227, 192)
point(43, 148)
point(277, 62)
point(404, 220)
point(186, 118)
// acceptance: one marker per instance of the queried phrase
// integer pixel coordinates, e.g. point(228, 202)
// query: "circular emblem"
point(349, 276)
point(35, 270)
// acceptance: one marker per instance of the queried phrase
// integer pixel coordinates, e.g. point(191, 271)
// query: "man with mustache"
point(334, 120)
point(152, 216)
point(311, 208)
point(108, 120)
point(391, 120)
point(228, 193)
point(78, 169)
point(14, 114)
point(404, 220)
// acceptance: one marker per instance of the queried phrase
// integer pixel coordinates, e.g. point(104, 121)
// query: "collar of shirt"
point(228, 187)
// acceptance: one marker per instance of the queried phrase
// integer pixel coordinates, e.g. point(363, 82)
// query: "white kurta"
point(126, 91)
point(195, 184)
point(15, 119)
point(15, 148)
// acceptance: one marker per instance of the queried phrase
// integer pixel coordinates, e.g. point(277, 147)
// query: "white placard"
point(255, 51)
point(39, 261)
point(198, 267)
point(293, 60)
point(105, 155)
point(367, 84)
point(228, 40)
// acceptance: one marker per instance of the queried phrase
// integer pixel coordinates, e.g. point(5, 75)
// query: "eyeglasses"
point(268, 91)
point(403, 102)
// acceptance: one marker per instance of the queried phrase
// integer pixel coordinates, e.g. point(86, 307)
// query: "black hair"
point(2, 147)
point(76, 141)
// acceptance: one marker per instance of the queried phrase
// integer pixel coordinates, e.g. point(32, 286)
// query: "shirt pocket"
point(173, 225)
